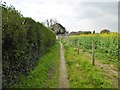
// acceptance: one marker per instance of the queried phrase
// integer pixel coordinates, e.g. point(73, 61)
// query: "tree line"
point(23, 41)
point(90, 32)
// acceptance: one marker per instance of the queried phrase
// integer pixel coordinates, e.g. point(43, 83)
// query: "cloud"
point(73, 14)
point(96, 16)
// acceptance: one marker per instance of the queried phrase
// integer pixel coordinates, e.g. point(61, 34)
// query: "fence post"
point(78, 47)
point(67, 39)
point(93, 53)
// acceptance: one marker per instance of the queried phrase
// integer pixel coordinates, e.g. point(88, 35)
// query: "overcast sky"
point(74, 15)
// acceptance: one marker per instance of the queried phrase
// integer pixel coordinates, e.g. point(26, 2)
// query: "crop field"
point(81, 72)
point(106, 45)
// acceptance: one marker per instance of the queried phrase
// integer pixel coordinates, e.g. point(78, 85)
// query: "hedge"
point(23, 41)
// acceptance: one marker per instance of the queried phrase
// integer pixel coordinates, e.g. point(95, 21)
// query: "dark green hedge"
point(23, 41)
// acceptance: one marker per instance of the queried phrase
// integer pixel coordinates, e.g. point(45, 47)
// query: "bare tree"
point(50, 22)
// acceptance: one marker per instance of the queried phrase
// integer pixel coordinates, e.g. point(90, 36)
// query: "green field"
point(106, 46)
point(81, 72)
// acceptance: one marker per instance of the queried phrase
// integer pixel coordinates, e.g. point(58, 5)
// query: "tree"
point(55, 26)
point(94, 32)
point(58, 28)
point(105, 31)
point(50, 22)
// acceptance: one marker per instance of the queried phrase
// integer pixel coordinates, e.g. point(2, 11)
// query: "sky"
point(74, 15)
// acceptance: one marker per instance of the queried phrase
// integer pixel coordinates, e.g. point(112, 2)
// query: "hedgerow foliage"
point(23, 41)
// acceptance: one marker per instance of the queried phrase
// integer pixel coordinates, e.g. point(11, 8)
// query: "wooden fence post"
point(93, 53)
point(78, 47)
point(68, 40)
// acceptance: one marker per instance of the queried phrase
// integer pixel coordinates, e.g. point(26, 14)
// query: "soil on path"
point(63, 83)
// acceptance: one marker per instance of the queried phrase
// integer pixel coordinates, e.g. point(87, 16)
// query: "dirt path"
point(63, 83)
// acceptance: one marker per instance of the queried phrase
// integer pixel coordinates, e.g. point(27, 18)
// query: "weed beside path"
point(110, 70)
point(82, 74)
point(45, 74)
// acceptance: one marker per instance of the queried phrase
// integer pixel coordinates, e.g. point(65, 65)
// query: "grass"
point(46, 73)
point(81, 73)
point(104, 58)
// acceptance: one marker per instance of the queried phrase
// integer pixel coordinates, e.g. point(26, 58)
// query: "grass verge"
point(81, 73)
point(46, 73)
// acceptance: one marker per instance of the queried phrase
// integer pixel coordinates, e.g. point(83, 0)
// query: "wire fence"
point(99, 47)
point(93, 46)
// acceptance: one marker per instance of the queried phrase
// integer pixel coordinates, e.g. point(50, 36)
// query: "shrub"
point(23, 41)
point(105, 31)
